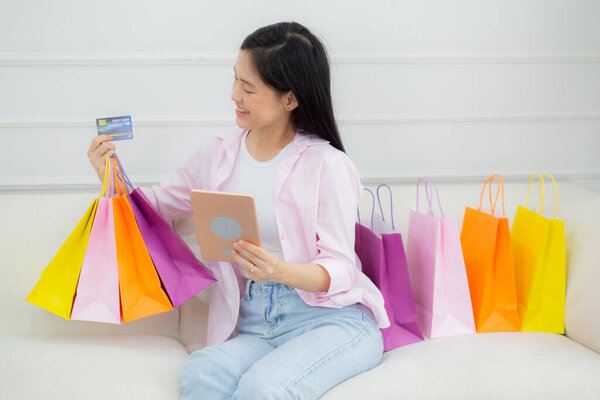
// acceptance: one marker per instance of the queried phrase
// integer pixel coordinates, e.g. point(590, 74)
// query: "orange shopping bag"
point(139, 284)
point(487, 251)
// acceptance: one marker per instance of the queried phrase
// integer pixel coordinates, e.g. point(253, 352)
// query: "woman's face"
point(257, 105)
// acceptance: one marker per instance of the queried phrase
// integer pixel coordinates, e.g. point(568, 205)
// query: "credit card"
point(119, 128)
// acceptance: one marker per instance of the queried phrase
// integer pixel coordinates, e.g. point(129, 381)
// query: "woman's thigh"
point(313, 362)
point(214, 371)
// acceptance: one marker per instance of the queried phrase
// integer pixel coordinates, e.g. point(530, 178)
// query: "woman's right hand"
point(99, 149)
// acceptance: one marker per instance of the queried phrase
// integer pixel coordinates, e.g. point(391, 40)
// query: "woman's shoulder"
point(229, 132)
point(327, 153)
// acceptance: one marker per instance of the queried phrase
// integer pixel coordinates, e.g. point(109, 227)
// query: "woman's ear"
point(289, 101)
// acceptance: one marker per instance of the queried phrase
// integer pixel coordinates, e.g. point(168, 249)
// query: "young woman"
point(296, 316)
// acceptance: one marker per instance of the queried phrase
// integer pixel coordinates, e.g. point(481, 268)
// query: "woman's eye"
point(247, 91)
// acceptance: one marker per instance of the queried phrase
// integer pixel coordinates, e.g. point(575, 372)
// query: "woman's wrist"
point(308, 277)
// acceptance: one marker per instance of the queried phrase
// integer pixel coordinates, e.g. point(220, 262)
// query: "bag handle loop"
point(543, 192)
point(105, 182)
point(556, 191)
point(391, 203)
point(372, 208)
point(120, 187)
point(122, 172)
point(500, 180)
point(428, 183)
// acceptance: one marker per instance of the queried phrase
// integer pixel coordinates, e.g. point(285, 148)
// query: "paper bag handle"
point(429, 182)
point(120, 187)
point(391, 204)
point(500, 180)
point(372, 208)
point(543, 192)
point(122, 172)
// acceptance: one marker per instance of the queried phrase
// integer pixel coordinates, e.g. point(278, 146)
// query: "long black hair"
point(287, 56)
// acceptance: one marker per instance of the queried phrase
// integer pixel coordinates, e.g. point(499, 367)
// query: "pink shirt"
point(316, 193)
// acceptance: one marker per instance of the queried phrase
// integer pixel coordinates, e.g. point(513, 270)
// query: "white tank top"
point(257, 178)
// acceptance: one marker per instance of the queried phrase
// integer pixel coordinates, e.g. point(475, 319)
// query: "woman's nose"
point(235, 94)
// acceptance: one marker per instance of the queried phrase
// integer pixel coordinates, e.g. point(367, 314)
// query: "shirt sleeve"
point(172, 197)
point(339, 194)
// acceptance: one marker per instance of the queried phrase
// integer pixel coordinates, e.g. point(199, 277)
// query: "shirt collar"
point(232, 138)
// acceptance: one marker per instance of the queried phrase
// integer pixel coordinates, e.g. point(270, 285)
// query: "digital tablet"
point(222, 218)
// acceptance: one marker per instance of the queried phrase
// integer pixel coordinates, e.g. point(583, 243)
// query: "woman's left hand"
point(260, 264)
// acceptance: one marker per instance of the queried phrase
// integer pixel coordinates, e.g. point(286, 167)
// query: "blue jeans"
point(285, 349)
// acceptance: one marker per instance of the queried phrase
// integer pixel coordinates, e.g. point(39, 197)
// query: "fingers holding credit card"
point(98, 150)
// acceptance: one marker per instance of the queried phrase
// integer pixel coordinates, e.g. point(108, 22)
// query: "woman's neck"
point(264, 143)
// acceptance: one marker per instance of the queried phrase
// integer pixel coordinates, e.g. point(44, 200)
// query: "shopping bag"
point(139, 284)
point(180, 272)
point(97, 296)
point(55, 290)
point(487, 252)
point(437, 271)
point(538, 245)
point(381, 252)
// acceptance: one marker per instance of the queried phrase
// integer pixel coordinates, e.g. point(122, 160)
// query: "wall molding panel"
point(191, 58)
point(66, 184)
point(447, 90)
point(225, 120)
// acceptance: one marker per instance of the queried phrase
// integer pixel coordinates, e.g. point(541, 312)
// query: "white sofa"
point(47, 357)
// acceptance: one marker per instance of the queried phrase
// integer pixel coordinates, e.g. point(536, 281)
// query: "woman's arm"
point(172, 197)
point(309, 277)
point(261, 265)
point(339, 192)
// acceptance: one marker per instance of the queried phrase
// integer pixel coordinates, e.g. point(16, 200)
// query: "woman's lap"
point(285, 349)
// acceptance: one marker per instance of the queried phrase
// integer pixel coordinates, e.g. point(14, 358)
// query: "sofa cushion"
point(89, 367)
point(499, 365)
point(194, 312)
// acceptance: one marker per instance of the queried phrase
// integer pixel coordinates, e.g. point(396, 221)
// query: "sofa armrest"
point(580, 209)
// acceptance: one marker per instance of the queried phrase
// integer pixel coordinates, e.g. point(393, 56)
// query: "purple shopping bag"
point(381, 252)
point(181, 273)
point(437, 271)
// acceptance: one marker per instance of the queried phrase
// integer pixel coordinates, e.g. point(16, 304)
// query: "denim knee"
point(206, 371)
point(253, 385)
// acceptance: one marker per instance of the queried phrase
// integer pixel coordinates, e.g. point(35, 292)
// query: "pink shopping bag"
point(97, 296)
point(437, 271)
point(381, 252)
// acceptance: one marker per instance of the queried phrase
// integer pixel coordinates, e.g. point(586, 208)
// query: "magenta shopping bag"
point(381, 252)
point(437, 271)
point(97, 296)
point(181, 273)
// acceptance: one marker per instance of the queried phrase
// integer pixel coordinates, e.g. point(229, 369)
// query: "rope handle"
point(107, 165)
point(429, 196)
point(391, 204)
point(372, 208)
point(123, 174)
point(543, 192)
point(120, 186)
point(500, 180)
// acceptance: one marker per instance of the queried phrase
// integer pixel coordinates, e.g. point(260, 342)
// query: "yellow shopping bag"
point(540, 266)
point(56, 288)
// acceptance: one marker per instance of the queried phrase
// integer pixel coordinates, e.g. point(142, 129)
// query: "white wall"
point(453, 90)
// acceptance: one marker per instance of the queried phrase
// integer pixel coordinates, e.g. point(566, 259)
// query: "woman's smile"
point(241, 111)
